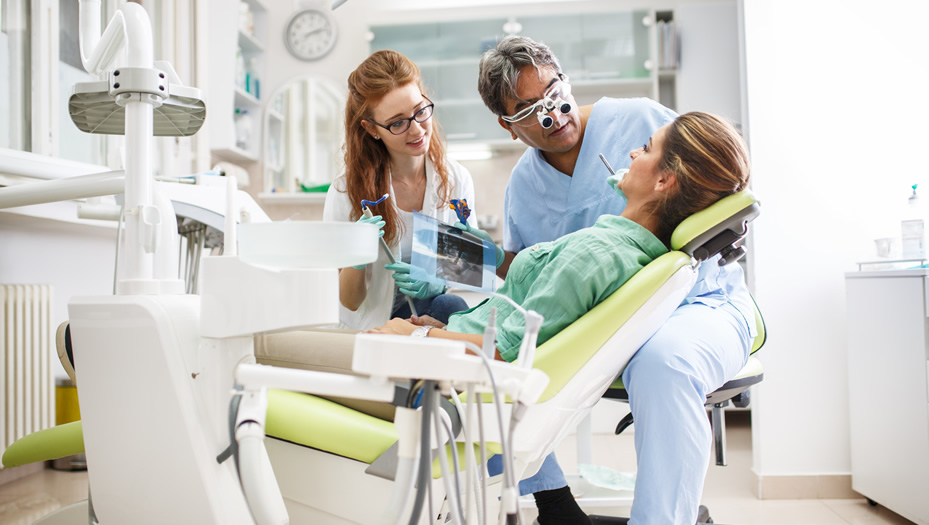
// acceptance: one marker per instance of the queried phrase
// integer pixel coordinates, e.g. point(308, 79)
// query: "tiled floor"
point(727, 493)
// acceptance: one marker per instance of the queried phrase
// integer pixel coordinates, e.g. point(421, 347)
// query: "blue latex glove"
point(483, 235)
point(412, 287)
point(613, 181)
point(376, 220)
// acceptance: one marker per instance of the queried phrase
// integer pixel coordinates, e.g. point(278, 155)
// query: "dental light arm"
point(98, 52)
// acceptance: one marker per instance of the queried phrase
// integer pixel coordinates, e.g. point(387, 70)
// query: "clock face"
point(310, 34)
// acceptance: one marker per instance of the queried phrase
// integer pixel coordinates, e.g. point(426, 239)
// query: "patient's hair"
point(499, 69)
point(367, 159)
point(709, 160)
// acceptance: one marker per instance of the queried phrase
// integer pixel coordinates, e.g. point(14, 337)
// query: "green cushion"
point(320, 423)
point(698, 223)
point(52, 443)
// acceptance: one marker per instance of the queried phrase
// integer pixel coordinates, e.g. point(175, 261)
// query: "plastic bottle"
point(252, 84)
point(913, 229)
point(245, 18)
point(240, 76)
point(243, 128)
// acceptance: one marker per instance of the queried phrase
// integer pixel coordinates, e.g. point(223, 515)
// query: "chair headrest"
point(717, 228)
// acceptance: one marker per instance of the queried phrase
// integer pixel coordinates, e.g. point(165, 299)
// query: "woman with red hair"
point(392, 147)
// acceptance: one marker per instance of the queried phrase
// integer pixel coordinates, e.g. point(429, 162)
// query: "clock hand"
point(317, 30)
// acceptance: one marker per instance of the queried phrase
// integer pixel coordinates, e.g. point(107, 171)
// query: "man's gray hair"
point(499, 69)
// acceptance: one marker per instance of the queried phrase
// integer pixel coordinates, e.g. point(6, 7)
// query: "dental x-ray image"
point(446, 255)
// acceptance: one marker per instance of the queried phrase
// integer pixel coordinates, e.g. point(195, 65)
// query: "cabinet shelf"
point(244, 98)
point(236, 33)
point(235, 154)
point(249, 43)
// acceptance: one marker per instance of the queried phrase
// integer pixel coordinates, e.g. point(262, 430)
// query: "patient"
point(687, 165)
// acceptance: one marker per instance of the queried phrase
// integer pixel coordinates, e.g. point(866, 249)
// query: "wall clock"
point(310, 34)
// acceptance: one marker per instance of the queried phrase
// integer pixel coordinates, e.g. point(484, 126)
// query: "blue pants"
point(695, 352)
point(439, 307)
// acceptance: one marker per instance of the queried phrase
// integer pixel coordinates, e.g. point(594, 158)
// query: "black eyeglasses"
point(400, 126)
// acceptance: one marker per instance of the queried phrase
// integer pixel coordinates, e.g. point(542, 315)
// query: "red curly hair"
point(367, 159)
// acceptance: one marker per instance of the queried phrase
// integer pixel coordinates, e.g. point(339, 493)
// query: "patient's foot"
point(63, 342)
point(558, 507)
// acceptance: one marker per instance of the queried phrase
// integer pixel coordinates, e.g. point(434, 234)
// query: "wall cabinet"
point(237, 62)
point(604, 54)
point(888, 366)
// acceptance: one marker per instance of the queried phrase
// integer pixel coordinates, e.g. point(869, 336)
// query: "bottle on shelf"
point(252, 85)
point(243, 128)
point(246, 18)
point(913, 229)
point(240, 74)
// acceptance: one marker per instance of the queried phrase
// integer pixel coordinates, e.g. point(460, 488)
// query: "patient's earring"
point(376, 137)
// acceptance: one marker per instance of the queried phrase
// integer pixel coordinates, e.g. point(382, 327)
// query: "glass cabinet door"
point(416, 41)
point(615, 45)
point(593, 48)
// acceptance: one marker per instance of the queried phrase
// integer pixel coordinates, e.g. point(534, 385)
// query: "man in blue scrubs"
point(558, 187)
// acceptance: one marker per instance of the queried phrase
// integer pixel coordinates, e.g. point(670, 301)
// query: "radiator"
point(27, 383)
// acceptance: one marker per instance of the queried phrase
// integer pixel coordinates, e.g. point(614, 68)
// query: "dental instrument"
point(615, 178)
point(607, 164)
point(366, 208)
point(461, 209)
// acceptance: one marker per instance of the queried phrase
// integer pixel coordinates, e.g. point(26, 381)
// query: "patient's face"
point(643, 171)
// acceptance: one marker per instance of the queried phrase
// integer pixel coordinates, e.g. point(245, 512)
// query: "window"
point(15, 81)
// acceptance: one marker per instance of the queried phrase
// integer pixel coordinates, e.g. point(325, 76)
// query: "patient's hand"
point(425, 320)
point(395, 326)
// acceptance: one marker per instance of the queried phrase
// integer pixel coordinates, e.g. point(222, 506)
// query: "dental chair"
point(329, 459)
point(582, 363)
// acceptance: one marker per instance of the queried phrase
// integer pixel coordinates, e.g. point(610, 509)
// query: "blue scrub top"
point(543, 204)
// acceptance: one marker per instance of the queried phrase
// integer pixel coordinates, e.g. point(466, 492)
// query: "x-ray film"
point(446, 255)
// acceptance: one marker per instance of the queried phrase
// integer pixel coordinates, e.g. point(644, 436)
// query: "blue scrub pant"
point(439, 307)
point(695, 352)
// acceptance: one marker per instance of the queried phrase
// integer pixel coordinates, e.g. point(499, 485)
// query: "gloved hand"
point(412, 287)
point(376, 220)
point(613, 181)
point(473, 230)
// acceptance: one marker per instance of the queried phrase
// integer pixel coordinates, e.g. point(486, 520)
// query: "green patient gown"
point(563, 279)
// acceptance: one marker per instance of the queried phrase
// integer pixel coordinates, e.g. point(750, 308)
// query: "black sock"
point(558, 507)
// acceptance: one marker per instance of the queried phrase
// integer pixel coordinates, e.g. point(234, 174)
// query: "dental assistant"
point(558, 187)
point(392, 148)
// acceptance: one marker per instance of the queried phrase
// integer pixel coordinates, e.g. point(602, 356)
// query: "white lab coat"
point(376, 308)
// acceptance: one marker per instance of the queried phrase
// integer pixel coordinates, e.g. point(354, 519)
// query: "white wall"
point(76, 259)
point(837, 130)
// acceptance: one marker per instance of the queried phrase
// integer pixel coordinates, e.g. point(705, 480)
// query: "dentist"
point(558, 187)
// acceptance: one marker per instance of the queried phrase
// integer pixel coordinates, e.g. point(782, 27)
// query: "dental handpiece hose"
point(390, 257)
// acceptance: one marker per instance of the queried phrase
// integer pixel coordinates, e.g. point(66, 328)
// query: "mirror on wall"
point(304, 135)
